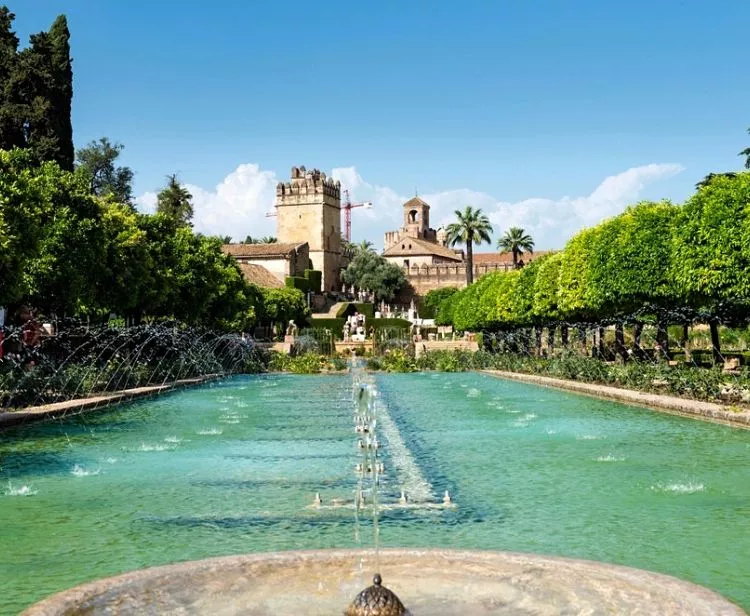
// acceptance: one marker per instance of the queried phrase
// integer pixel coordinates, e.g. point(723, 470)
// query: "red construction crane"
point(348, 206)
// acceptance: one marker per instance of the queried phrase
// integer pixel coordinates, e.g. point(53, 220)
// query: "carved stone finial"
point(376, 600)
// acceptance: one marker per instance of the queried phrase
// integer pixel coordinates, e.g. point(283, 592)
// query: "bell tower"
point(308, 209)
point(417, 219)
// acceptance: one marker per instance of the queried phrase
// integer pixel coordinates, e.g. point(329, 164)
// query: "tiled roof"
point(257, 274)
point(260, 250)
point(419, 247)
point(502, 258)
point(415, 202)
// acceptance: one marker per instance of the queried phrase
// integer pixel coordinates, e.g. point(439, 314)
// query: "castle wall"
point(413, 260)
point(424, 278)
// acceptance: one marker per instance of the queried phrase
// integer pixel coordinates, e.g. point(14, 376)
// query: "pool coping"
point(151, 584)
point(696, 409)
point(77, 406)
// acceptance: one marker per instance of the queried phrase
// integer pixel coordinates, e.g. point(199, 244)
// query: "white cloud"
point(238, 205)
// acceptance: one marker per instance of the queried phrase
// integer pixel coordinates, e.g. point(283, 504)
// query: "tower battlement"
point(308, 209)
point(304, 182)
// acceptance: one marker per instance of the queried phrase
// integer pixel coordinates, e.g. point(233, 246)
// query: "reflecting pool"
point(233, 467)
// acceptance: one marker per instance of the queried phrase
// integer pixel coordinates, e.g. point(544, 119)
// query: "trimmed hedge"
point(335, 325)
point(350, 308)
point(297, 282)
point(314, 279)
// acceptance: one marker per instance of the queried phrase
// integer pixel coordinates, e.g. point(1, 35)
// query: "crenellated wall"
point(424, 278)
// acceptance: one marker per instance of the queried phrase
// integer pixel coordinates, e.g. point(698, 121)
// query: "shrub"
point(398, 361)
point(314, 280)
point(433, 299)
point(297, 282)
point(349, 308)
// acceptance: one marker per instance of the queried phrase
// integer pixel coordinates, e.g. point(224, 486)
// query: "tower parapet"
point(304, 182)
point(308, 209)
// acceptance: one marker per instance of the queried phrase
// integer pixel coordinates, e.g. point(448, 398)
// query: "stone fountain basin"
point(429, 583)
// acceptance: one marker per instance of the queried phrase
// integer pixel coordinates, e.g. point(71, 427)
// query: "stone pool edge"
point(695, 409)
point(161, 577)
point(10, 419)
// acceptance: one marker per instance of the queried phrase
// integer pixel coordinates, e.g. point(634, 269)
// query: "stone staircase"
point(331, 314)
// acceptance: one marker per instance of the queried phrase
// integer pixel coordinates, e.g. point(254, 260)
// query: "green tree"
point(36, 92)
point(175, 201)
point(516, 241)
point(64, 276)
point(369, 271)
point(25, 209)
point(433, 300)
point(129, 268)
point(11, 125)
point(61, 97)
point(471, 227)
point(268, 239)
point(546, 286)
point(576, 295)
point(282, 305)
point(712, 249)
point(97, 165)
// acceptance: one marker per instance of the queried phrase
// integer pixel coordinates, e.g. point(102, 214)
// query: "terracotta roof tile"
point(257, 274)
point(420, 247)
point(415, 201)
point(260, 250)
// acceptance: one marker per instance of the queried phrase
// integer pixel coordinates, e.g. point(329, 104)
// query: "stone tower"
point(416, 218)
point(308, 209)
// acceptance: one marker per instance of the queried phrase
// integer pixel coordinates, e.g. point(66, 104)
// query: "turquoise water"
point(231, 467)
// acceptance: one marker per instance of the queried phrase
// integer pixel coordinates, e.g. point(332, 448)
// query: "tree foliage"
point(369, 271)
point(68, 252)
point(36, 92)
point(690, 261)
point(712, 243)
point(175, 201)
point(97, 166)
point(283, 305)
point(433, 299)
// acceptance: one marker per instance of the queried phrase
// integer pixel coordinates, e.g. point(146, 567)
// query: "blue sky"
point(523, 108)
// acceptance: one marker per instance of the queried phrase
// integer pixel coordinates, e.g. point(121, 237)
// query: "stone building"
point(416, 243)
point(428, 262)
point(268, 265)
point(308, 209)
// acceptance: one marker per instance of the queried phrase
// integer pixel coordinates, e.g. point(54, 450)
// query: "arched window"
point(413, 216)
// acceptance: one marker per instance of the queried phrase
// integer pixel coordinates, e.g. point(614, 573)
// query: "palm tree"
point(365, 246)
point(516, 241)
point(471, 227)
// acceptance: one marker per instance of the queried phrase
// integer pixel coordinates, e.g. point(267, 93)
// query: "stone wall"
point(424, 278)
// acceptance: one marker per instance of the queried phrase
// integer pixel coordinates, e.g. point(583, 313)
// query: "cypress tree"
point(61, 96)
point(11, 126)
point(36, 92)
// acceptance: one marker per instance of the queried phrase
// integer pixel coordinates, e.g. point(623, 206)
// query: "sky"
point(548, 114)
